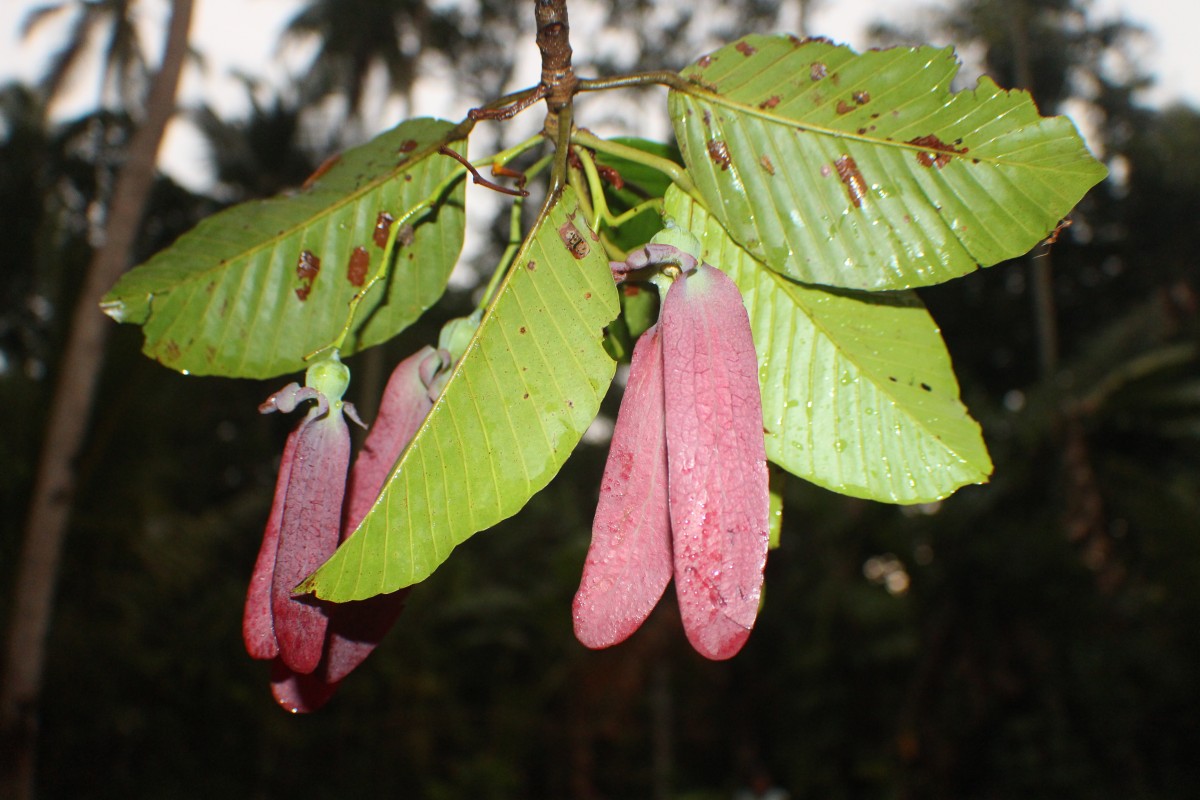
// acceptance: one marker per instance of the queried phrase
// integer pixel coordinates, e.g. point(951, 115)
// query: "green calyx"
point(679, 238)
point(457, 333)
point(330, 377)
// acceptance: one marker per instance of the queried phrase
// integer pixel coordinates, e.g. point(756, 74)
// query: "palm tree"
point(261, 154)
point(356, 36)
point(124, 74)
point(75, 388)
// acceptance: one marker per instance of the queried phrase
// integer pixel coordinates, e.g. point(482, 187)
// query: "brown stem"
point(479, 179)
point(75, 388)
point(512, 109)
point(554, 42)
point(672, 80)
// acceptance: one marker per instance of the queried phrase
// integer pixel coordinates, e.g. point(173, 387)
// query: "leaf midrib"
point(341, 202)
point(700, 94)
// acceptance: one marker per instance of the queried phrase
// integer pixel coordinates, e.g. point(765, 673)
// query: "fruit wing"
point(719, 502)
point(629, 562)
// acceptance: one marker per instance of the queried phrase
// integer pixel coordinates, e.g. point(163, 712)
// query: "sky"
point(248, 45)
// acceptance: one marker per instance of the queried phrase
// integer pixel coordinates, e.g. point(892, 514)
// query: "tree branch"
point(554, 41)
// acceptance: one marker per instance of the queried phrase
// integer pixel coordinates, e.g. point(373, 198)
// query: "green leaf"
point(230, 297)
point(857, 388)
point(865, 171)
point(513, 410)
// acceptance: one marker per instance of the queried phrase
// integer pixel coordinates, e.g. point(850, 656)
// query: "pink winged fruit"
point(684, 492)
point(314, 645)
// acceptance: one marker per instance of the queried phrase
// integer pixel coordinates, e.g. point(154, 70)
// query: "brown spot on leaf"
point(356, 270)
point(843, 107)
point(861, 98)
point(704, 61)
point(587, 295)
point(525, 396)
point(531, 266)
point(574, 240)
point(746, 49)
point(173, 350)
point(325, 166)
point(307, 267)
point(718, 151)
point(944, 151)
point(766, 164)
point(522, 329)
point(383, 225)
point(817, 71)
point(847, 170)
point(770, 102)
point(408, 146)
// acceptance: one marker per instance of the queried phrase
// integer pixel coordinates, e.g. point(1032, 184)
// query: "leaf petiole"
point(672, 80)
point(676, 173)
point(600, 204)
point(505, 156)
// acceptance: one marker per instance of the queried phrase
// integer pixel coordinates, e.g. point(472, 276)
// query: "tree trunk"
point(1041, 270)
point(74, 392)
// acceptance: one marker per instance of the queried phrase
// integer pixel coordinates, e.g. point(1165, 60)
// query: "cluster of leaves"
point(825, 183)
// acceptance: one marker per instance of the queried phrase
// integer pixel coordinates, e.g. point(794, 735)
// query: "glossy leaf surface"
point(858, 392)
point(865, 171)
point(250, 291)
point(513, 410)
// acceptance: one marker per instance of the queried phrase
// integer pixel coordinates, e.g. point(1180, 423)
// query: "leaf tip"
point(115, 309)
